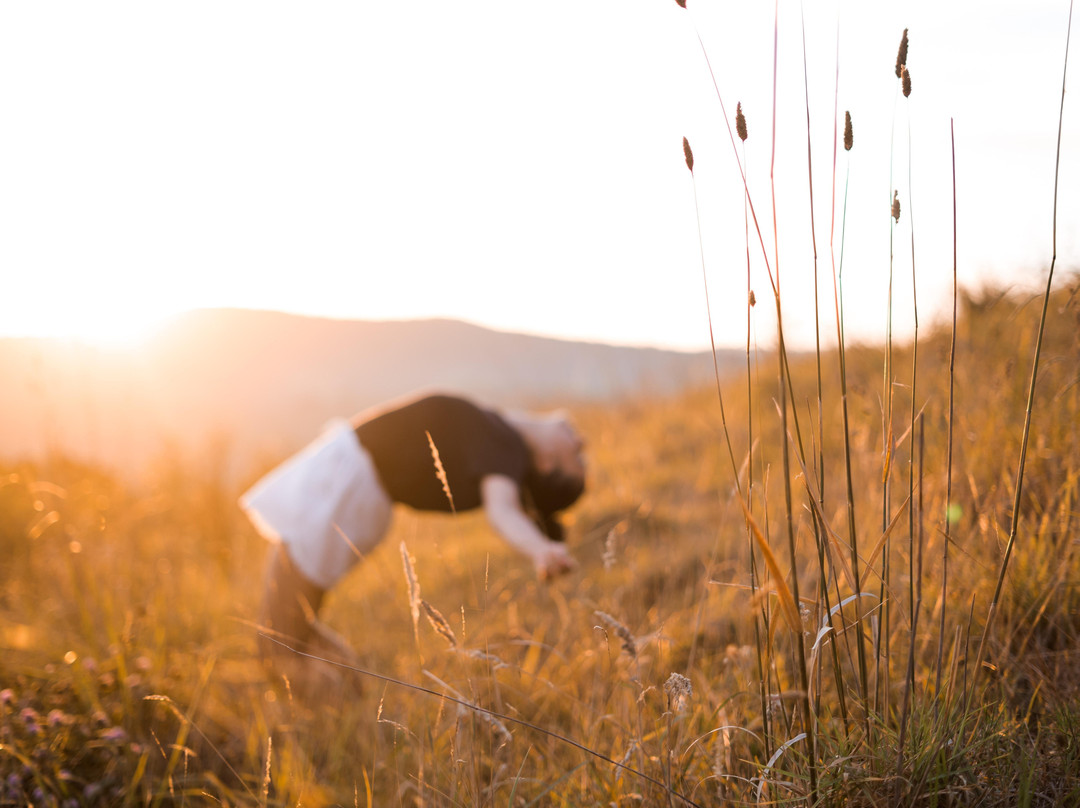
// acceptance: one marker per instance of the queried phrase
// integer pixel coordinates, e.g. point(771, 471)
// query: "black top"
point(472, 442)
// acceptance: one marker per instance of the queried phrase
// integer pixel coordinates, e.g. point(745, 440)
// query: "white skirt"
point(325, 503)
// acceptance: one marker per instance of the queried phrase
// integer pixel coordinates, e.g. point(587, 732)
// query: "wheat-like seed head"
point(486, 716)
point(849, 139)
point(413, 585)
point(439, 623)
point(723, 756)
point(901, 54)
point(681, 3)
point(628, 640)
point(609, 557)
point(896, 205)
point(740, 122)
point(440, 472)
point(266, 771)
point(689, 155)
point(482, 656)
point(905, 81)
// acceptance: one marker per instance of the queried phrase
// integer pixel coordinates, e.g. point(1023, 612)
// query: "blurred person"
point(331, 503)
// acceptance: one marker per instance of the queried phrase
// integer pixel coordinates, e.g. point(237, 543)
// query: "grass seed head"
point(679, 691)
point(901, 54)
point(629, 642)
point(413, 584)
point(740, 122)
point(896, 205)
point(849, 139)
point(609, 556)
point(753, 299)
point(689, 155)
point(440, 472)
point(681, 3)
point(482, 656)
point(439, 623)
point(905, 81)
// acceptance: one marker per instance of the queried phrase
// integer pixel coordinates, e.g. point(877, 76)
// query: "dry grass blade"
point(775, 757)
point(869, 560)
point(787, 600)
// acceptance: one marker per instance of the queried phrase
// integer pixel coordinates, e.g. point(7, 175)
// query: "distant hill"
point(241, 386)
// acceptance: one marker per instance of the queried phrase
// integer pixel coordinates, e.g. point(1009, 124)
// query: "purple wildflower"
point(116, 734)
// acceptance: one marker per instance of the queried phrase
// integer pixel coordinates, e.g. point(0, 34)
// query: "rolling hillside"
point(238, 386)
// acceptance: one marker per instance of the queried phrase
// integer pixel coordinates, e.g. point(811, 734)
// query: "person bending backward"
point(331, 503)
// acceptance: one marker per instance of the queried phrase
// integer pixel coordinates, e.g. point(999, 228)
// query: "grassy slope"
point(126, 663)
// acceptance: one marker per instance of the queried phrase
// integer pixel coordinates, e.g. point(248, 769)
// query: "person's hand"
point(553, 560)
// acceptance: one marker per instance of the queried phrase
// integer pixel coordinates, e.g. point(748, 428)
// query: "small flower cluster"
point(56, 756)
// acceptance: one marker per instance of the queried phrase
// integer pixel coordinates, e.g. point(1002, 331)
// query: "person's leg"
point(289, 623)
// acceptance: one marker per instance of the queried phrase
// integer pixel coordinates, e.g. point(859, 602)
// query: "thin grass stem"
point(1019, 485)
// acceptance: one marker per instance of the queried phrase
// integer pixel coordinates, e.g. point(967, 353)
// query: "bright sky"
point(517, 164)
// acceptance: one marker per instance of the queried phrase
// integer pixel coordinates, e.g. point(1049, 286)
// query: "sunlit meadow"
point(847, 577)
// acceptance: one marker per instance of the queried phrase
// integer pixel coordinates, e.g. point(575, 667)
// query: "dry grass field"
point(849, 578)
point(662, 672)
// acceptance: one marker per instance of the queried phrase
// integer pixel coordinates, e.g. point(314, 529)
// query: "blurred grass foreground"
point(128, 673)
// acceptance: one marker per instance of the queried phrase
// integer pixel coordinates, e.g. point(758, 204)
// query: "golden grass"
point(126, 618)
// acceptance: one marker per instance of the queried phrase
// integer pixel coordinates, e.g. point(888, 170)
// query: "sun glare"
point(118, 328)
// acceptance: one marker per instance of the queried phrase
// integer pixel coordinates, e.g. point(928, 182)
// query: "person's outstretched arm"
point(502, 506)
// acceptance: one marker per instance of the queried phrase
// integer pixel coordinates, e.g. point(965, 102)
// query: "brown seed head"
point(681, 3)
point(689, 155)
point(896, 205)
point(752, 299)
point(849, 140)
point(905, 80)
point(740, 122)
point(679, 692)
point(901, 55)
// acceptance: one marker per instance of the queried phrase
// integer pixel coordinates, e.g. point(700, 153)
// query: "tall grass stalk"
point(853, 540)
point(1019, 484)
point(783, 373)
point(882, 657)
point(784, 378)
point(762, 668)
point(749, 203)
point(949, 440)
point(913, 579)
point(689, 155)
point(848, 143)
point(819, 460)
